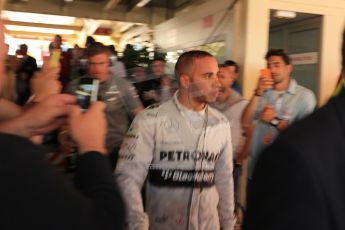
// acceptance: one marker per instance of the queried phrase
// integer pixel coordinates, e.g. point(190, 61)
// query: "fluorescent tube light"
point(143, 3)
point(284, 14)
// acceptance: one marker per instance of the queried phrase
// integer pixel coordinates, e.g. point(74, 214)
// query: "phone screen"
point(87, 92)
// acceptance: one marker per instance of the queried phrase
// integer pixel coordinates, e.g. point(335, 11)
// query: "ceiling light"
point(284, 14)
point(143, 3)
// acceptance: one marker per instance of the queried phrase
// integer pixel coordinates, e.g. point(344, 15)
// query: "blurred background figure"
point(117, 68)
point(120, 97)
point(277, 102)
point(158, 87)
point(298, 182)
point(232, 104)
point(234, 70)
point(89, 41)
point(65, 60)
point(139, 77)
point(78, 63)
point(26, 68)
point(130, 58)
point(9, 90)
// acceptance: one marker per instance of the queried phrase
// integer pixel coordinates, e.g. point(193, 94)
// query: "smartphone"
point(87, 92)
point(54, 58)
point(265, 73)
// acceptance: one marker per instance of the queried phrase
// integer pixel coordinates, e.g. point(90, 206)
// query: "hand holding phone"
point(265, 73)
point(266, 80)
point(87, 92)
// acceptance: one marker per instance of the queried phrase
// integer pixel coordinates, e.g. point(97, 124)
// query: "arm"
point(308, 106)
point(40, 118)
point(3, 49)
point(130, 97)
point(284, 197)
point(94, 175)
point(224, 184)
point(40, 195)
point(45, 82)
point(249, 112)
point(135, 156)
point(8, 109)
point(37, 190)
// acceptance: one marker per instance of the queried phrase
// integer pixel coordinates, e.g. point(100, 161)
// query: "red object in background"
point(103, 31)
point(207, 21)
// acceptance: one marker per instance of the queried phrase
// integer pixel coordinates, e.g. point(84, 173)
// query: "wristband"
point(274, 122)
point(257, 94)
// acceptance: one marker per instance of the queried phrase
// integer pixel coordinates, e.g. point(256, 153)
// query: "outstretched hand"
point(45, 82)
point(40, 118)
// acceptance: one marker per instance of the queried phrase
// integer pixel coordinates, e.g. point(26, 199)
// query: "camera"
point(86, 92)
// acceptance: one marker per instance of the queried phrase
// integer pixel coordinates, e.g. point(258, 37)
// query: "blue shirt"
point(235, 86)
point(294, 104)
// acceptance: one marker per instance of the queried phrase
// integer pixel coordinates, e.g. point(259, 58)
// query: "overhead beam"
point(134, 3)
point(111, 4)
point(131, 4)
point(2, 4)
point(37, 34)
point(83, 9)
point(42, 25)
point(170, 9)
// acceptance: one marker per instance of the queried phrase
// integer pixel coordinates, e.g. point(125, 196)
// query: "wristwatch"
point(274, 122)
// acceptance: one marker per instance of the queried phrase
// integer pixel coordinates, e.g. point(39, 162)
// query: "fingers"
point(52, 126)
point(265, 81)
point(74, 114)
point(97, 106)
point(88, 129)
point(56, 106)
point(48, 71)
point(66, 99)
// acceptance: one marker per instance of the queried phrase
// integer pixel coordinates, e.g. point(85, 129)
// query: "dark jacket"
point(34, 196)
point(299, 182)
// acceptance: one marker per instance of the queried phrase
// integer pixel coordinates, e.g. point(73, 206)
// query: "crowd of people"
point(167, 152)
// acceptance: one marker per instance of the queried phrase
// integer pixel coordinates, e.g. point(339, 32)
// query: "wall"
point(332, 25)
point(246, 35)
point(300, 37)
point(204, 23)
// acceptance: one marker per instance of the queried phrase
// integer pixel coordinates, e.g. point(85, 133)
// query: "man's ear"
point(290, 68)
point(184, 81)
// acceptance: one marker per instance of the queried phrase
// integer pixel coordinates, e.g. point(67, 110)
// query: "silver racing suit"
point(188, 184)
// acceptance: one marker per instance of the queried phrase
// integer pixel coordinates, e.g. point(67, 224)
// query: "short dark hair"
point(95, 49)
point(232, 63)
point(186, 61)
point(112, 49)
point(23, 47)
point(89, 41)
point(159, 58)
point(280, 53)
